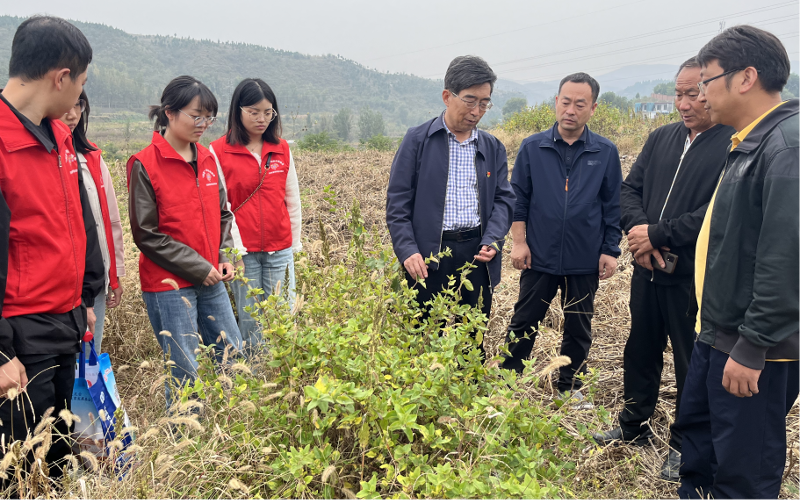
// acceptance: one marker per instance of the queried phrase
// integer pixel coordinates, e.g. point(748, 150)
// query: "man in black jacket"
point(743, 377)
point(664, 199)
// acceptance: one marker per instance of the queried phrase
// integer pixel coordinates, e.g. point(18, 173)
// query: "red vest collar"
point(266, 149)
point(15, 136)
point(166, 150)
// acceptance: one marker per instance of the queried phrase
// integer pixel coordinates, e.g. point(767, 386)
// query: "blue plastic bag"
point(95, 401)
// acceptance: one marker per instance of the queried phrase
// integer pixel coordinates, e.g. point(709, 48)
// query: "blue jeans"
point(208, 313)
point(264, 271)
point(100, 312)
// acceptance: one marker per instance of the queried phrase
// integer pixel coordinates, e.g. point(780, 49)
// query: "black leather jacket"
point(751, 292)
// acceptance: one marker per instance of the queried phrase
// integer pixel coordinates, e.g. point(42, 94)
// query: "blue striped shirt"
point(461, 207)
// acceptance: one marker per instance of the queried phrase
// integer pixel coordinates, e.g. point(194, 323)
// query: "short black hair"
point(692, 62)
point(251, 91)
point(82, 144)
point(45, 43)
point(177, 95)
point(742, 46)
point(582, 78)
point(467, 71)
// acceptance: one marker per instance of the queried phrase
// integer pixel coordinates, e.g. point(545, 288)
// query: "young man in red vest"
point(50, 261)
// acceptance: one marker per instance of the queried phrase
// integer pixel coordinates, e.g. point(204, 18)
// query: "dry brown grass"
point(612, 472)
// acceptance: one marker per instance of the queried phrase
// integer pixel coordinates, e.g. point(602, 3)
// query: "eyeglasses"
point(199, 121)
point(485, 105)
point(269, 114)
point(704, 84)
point(80, 104)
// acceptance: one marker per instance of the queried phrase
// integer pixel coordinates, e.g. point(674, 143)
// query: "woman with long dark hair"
point(103, 200)
point(181, 224)
point(263, 193)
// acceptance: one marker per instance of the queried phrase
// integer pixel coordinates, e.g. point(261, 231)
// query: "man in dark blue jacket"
point(566, 230)
point(449, 188)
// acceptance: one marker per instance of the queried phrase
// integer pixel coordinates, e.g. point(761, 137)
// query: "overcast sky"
point(523, 40)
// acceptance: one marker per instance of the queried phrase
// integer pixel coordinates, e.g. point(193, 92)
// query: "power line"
point(656, 59)
point(643, 36)
point(647, 35)
point(632, 49)
point(500, 33)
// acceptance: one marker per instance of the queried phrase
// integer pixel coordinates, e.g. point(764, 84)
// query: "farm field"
point(357, 398)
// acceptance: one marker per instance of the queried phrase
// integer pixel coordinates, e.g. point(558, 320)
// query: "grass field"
point(217, 457)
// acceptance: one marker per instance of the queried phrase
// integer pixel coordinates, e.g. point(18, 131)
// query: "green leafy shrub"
point(379, 143)
point(319, 142)
point(360, 395)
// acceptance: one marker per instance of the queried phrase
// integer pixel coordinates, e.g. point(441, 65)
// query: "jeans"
point(100, 312)
point(265, 271)
point(208, 313)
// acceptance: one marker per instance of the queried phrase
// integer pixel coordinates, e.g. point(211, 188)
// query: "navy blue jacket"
point(567, 230)
point(418, 186)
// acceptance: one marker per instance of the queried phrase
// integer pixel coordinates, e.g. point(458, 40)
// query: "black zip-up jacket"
point(645, 190)
point(751, 291)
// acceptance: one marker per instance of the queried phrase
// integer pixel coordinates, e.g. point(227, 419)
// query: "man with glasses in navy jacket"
point(449, 188)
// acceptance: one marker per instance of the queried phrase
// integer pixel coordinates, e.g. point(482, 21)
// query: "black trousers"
point(50, 381)
point(734, 447)
point(437, 280)
point(658, 312)
point(536, 291)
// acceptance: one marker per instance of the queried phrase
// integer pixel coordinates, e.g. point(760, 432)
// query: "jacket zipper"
point(203, 210)
point(260, 214)
point(564, 222)
point(69, 223)
point(480, 218)
point(705, 273)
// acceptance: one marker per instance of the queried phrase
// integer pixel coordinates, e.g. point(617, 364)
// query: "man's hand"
point(226, 271)
point(740, 380)
point(239, 264)
point(643, 259)
point(115, 298)
point(607, 266)
point(91, 319)
point(639, 240)
point(12, 375)
point(214, 277)
point(415, 265)
point(521, 255)
point(486, 254)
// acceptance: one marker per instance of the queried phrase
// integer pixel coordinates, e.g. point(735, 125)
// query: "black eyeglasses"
point(702, 85)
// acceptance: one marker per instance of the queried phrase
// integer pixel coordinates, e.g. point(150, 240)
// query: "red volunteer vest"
point(188, 206)
point(264, 220)
point(93, 164)
point(47, 239)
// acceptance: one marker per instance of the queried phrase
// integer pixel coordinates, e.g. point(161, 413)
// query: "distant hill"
point(626, 81)
point(129, 72)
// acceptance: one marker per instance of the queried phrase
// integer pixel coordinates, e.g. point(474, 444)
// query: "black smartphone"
point(670, 261)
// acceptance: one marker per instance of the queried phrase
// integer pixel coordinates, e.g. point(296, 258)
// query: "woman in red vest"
point(103, 200)
point(181, 224)
point(261, 182)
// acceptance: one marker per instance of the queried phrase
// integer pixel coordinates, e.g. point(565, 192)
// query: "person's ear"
point(749, 78)
point(446, 97)
point(60, 76)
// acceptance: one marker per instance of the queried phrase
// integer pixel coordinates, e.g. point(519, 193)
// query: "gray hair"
point(692, 62)
point(467, 71)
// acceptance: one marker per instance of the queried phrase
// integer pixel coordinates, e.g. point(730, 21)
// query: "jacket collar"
point(590, 139)
point(15, 136)
point(266, 149)
point(437, 125)
point(765, 126)
point(166, 150)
